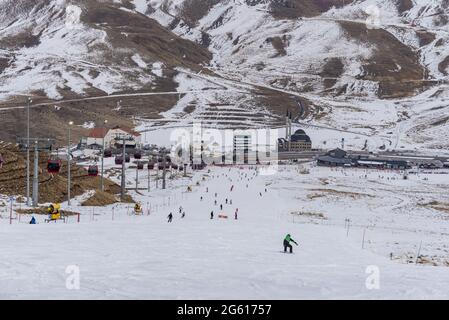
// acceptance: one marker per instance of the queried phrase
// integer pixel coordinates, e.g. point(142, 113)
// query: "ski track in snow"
point(198, 258)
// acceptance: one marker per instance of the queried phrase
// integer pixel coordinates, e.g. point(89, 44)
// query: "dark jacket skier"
point(33, 220)
point(170, 217)
point(287, 244)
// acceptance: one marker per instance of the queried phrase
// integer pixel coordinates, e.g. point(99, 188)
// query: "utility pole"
point(164, 173)
point(137, 177)
point(123, 184)
point(28, 151)
point(36, 175)
point(149, 172)
point(68, 165)
point(102, 163)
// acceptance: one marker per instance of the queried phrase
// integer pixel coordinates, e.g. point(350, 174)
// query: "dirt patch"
point(309, 214)
point(436, 205)
point(293, 9)
point(443, 66)
point(43, 211)
point(279, 45)
point(393, 65)
point(404, 5)
point(320, 193)
point(99, 199)
point(333, 68)
point(52, 187)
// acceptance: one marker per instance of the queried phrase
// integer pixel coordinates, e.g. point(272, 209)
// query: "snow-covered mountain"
point(374, 68)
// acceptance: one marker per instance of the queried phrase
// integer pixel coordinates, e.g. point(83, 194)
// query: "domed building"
point(300, 141)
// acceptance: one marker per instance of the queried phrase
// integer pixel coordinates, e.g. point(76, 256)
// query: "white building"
point(96, 137)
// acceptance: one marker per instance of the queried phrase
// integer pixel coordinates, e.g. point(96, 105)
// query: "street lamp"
point(102, 161)
point(68, 165)
point(28, 152)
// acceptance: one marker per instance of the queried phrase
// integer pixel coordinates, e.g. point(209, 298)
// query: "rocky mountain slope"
point(373, 68)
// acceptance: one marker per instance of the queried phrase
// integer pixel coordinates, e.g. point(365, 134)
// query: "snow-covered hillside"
point(397, 231)
point(372, 68)
point(77, 48)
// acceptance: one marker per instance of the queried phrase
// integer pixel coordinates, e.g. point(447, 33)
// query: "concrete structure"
point(241, 148)
point(297, 142)
point(94, 139)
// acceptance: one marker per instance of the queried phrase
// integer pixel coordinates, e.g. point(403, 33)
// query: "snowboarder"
point(33, 220)
point(211, 215)
point(170, 217)
point(287, 244)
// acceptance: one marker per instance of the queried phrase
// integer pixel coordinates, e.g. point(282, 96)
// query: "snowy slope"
point(137, 257)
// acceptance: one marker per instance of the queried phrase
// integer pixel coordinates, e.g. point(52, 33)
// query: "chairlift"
point(138, 155)
point(140, 165)
point(92, 171)
point(107, 153)
point(53, 165)
point(150, 165)
point(118, 160)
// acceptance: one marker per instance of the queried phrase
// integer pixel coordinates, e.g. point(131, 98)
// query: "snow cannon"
point(137, 208)
point(54, 211)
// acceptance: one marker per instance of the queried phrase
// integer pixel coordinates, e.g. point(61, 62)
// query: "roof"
point(127, 130)
point(98, 132)
point(299, 131)
point(334, 160)
point(300, 137)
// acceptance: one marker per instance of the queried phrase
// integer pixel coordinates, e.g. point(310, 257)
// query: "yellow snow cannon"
point(138, 208)
point(54, 211)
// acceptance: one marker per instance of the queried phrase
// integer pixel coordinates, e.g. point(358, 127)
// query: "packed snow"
point(122, 255)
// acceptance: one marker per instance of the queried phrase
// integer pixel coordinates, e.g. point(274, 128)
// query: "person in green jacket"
point(287, 244)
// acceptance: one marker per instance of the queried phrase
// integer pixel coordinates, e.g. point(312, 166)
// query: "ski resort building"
point(110, 137)
point(296, 142)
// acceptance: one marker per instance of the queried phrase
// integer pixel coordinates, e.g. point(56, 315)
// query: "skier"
point(180, 209)
point(230, 201)
point(183, 214)
point(236, 212)
point(287, 244)
point(170, 217)
point(232, 188)
point(221, 206)
point(215, 202)
point(201, 198)
point(33, 220)
point(211, 215)
point(215, 194)
point(226, 200)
